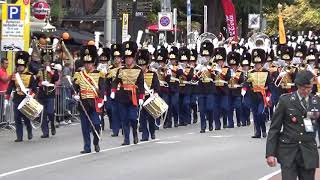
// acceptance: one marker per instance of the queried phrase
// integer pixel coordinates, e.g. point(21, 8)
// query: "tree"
point(300, 16)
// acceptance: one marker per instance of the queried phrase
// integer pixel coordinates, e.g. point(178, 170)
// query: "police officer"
point(90, 85)
point(129, 85)
point(47, 78)
point(29, 82)
point(152, 82)
point(291, 138)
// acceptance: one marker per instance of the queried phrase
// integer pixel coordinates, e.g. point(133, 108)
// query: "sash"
point(90, 82)
point(20, 83)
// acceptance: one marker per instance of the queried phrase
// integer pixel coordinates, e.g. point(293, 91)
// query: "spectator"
point(4, 78)
point(35, 64)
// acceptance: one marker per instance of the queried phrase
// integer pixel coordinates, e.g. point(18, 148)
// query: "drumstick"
point(85, 111)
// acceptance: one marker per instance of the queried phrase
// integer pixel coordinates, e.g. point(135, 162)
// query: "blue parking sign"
point(14, 12)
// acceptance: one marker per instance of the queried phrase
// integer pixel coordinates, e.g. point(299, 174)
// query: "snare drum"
point(30, 107)
point(155, 106)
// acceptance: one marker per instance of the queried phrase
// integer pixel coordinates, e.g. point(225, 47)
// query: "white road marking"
point(267, 177)
point(74, 157)
point(168, 142)
point(190, 133)
point(221, 136)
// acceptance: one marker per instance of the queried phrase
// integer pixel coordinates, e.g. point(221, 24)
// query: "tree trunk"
point(215, 16)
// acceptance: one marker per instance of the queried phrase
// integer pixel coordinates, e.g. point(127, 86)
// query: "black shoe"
point(125, 144)
point(153, 136)
point(53, 131)
point(230, 127)
point(30, 136)
point(44, 136)
point(210, 128)
point(195, 118)
point(195, 121)
point(176, 125)
point(140, 128)
point(85, 152)
point(97, 148)
point(18, 140)
point(238, 124)
point(135, 140)
point(217, 129)
point(224, 126)
point(156, 128)
point(248, 123)
point(202, 131)
point(256, 136)
point(264, 135)
point(114, 135)
point(142, 140)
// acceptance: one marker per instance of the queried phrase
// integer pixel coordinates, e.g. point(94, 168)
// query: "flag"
point(282, 32)
point(231, 18)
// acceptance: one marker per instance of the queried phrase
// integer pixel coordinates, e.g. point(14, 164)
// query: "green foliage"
point(301, 16)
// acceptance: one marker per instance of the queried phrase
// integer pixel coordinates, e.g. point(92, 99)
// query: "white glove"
point(233, 74)
point(6, 102)
point(112, 95)
point(100, 105)
point(48, 69)
point(169, 72)
point(219, 70)
point(268, 99)
point(282, 74)
point(140, 102)
point(243, 92)
point(209, 67)
point(45, 83)
point(156, 94)
point(105, 98)
point(170, 66)
point(76, 97)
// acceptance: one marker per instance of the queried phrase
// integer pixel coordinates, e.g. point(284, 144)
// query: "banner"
point(231, 18)
point(282, 33)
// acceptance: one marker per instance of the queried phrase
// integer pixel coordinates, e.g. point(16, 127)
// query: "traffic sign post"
point(254, 21)
point(165, 22)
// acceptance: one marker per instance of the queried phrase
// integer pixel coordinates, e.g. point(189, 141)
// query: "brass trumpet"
point(284, 71)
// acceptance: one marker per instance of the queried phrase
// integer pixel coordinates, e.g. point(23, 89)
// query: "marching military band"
point(119, 82)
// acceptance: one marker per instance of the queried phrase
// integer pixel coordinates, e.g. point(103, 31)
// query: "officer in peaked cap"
point(291, 137)
point(28, 81)
point(147, 122)
point(222, 91)
point(234, 85)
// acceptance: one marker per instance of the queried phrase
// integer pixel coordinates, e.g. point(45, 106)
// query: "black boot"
point(30, 136)
point(135, 136)
point(53, 128)
point(97, 148)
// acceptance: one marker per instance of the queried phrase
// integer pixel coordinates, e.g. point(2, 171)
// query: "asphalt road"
point(177, 154)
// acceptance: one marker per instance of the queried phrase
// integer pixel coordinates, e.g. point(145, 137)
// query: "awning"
point(155, 27)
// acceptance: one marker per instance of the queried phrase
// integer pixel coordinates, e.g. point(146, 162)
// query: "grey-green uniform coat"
point(287, 138)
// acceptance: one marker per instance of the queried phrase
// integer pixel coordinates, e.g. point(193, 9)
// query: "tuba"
point(206, 37)
point(259, 41)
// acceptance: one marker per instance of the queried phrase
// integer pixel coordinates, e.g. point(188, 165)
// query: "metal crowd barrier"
point(64, 104)
point(6, 113)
